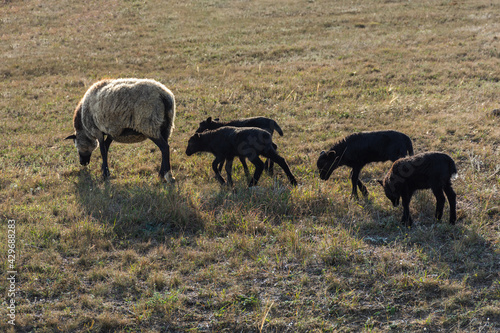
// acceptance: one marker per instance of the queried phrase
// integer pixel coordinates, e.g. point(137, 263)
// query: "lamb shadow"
point(137, 210)
point(458, 249)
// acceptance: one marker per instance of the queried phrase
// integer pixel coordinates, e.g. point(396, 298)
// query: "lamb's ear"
point(380, 182)
point(71, 137)
point(209, 119)
point(322, 153)
point(217, 119)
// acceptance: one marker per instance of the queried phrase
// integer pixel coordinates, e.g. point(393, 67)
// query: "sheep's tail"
point(453, 169)
point(277, 128)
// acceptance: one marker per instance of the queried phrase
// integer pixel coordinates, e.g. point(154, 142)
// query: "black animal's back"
point(378, 146)
point(425, 170)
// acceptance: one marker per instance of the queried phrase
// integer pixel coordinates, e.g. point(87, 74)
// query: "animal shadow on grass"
point(137, 210)
point(458, 250)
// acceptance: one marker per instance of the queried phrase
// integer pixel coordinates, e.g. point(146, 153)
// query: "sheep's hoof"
point(169, 178)
point(105, 174)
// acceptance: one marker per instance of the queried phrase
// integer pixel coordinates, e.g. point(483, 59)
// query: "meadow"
point(133, 254)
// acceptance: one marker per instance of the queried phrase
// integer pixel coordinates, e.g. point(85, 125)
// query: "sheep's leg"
point(221, 164)
point(215, 167)
point(269, 167)
point(438, 193)
point(108, 141)
point(103, 147)
point(165, 172)
point(362, 188)
point(406, 219)
point(245, 166)
point(229, 169)
point(274, 156)
point(259, 167)
point(357, 183)
point(270, 163)
point(452, 200)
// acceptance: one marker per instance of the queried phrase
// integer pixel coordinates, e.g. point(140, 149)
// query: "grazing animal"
point(229, 142)
point(264, 123)
point(428, 170)
point(359, 149)
point(127, 111)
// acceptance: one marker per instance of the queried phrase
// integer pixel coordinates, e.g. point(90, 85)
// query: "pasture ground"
point(134, 255)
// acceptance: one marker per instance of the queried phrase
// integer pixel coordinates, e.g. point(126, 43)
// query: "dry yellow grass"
point(132, 254)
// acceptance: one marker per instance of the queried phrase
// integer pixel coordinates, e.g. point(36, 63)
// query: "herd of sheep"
point(133, 110)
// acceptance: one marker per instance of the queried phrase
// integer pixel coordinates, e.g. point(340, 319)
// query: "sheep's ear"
point(380, 182)
point(322, 153)
point(209, 119)
point(217, 119)
point(71, 137)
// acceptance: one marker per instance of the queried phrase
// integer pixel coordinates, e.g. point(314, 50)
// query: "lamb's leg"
point(221, 164)
point(229, 169)
point(406, 219)
point(269, 167)
point(215, 167)
point(165, 172)
point(438, 193)
point(274, 156)
point(452, 200)
point(245, 166)
point(259, 167)
point(270, 163)
point(357, 183)
point(103, 147)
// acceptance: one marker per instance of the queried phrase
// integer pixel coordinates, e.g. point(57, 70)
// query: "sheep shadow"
point(137, 209)
point(459, 249)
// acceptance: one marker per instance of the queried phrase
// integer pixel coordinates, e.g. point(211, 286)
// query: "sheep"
point(229, 141)
point(432, 170)
point(264, 123)
point(357, 150)
point(127, 111)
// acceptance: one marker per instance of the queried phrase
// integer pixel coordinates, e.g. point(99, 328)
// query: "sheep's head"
point(208, 124)
point(390, 193)
point(327, 162)
point(84, 145)
point(193, 144)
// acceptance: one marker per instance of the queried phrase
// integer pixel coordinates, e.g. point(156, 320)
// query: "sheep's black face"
point(85, 158)
point(193, 145)
point(326, 164)
point(393, 197)
point(206, 125)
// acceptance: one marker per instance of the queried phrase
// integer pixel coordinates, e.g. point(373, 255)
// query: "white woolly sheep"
point(127, 111)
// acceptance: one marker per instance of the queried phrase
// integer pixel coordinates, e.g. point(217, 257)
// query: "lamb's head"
point(84, 145)
point(194, 144)
point(206, 125)
point(327, 162)
point(390, 191)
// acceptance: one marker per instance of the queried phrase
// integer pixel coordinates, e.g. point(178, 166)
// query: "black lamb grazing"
point(264, 123)
point(229, 142)
point(359, 149)
point(428, 170)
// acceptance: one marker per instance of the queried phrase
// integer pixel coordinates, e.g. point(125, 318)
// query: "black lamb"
point(229, 142)
point(422, 171)
point(264, 123)
point(359, 149)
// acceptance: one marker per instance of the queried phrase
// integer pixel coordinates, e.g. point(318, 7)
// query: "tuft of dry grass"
point(132, 254)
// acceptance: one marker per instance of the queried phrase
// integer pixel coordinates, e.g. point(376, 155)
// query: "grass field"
point(133, 254)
